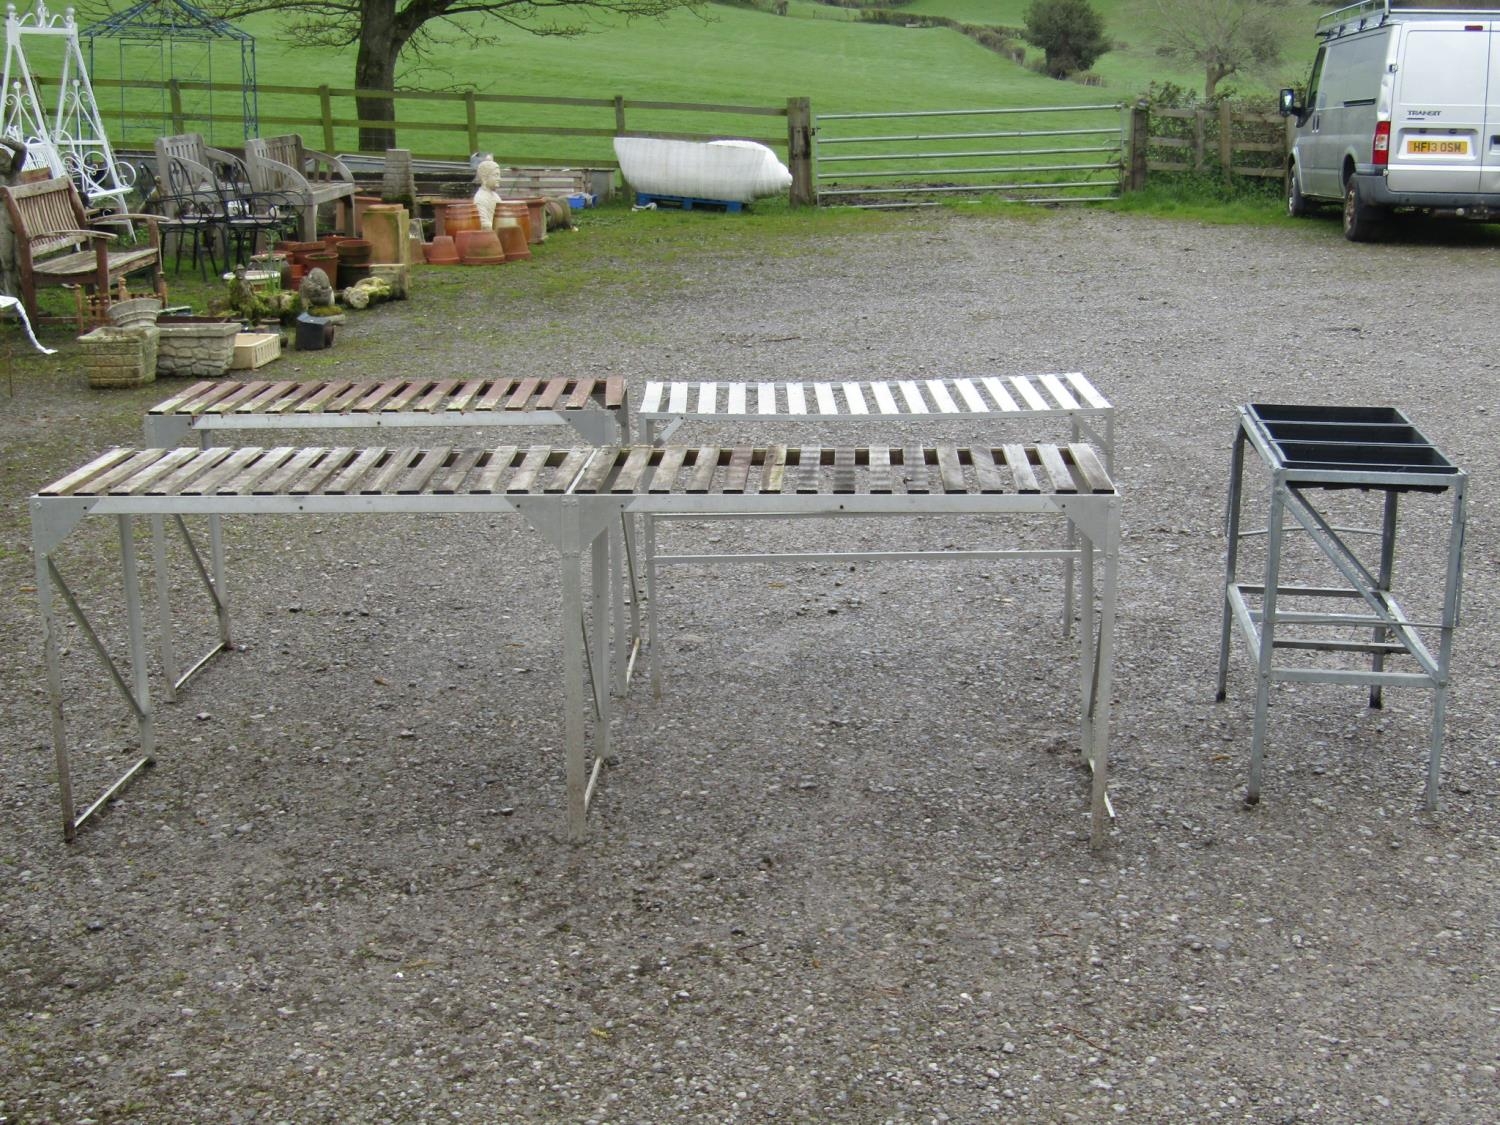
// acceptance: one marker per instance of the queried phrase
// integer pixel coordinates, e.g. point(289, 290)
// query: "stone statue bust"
point(488, 194)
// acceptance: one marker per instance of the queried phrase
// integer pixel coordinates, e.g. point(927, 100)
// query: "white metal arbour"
point(70, 140)
point(1040, 154)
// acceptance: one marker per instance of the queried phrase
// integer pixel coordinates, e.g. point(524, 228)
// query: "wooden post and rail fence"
point(542, 131)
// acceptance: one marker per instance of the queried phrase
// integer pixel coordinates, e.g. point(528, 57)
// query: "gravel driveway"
point(839, 871)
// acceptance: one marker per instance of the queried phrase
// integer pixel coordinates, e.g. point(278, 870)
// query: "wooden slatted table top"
point(640, 470)
point(293, 399)
point(1065, 393)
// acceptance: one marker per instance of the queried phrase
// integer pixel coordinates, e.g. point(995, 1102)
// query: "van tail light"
point(1380, 152)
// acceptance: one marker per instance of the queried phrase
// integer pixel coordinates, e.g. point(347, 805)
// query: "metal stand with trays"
point(1311, 451)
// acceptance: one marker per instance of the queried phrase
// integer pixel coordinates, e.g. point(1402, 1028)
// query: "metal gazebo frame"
point(164, 26)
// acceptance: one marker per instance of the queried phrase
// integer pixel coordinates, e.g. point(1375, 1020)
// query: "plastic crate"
point(255, 349)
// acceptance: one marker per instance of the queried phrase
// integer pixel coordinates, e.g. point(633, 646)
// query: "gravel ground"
point(839, 871)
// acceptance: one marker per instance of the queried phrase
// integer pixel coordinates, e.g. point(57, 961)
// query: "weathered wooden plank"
point(534, 460)
point(426, 467)
point(987, 472)
point(243, 393)
point(843, 470)
point(773, 470)
point(705, 462)
point(738, 472)
point(491, 468)
point(175, 482)
point(438, 395)
point(1095, 477)
point(809, 471)
point(348, 477)
point(496, 392)
point(210, 481)
point(298, 394)
point(520, 398)
point(318, 473)
point(1056, 468)
point(667, 467)
point(316, 402)
point(396, 462)
point(372, 398)
point(404, 396)
point(1019, 462)
point(273, 393)
point(192, 400)
point(454, 475)
point(628, 480)
point(614, 392)
point(597, 472)
point(119, 479)
point(466, 394)
point(950, 469)
point(253, 474)
point(144, 479)
point(880, 468)
point(288, 470)
point(914, 475)
point(552, 390)
point(1086, 391)
point(567, 471)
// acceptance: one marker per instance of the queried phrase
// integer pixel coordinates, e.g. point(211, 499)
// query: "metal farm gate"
point(1049, 154)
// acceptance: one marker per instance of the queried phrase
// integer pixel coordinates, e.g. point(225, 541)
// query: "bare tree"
point(382, 31)
point(1225, 37)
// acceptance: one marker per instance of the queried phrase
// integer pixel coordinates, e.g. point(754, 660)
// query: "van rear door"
point(1441, 119)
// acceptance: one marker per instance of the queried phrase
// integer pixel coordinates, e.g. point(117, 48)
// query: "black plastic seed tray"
point(1349, 445)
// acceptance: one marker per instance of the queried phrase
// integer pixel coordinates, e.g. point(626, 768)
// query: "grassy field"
point(725, 55)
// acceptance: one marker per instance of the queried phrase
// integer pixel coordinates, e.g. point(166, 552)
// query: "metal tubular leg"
point(1103, 689)
point(1071, 542)
point(1267, 642)
point(653, 645)
point(1452, 599)
point(576, 752)
point(1387, 566)
point(167, 651)
point(1231, 556)
point(54, 692)
point(1087, 654)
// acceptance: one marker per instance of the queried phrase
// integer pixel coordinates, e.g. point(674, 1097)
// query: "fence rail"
point(855, 163)
point(1219, 141)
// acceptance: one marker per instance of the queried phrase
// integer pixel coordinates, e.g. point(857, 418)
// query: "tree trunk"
point(375, 69)
point(1211, 79)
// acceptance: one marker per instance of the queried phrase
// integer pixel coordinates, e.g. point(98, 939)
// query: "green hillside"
point(726, 54)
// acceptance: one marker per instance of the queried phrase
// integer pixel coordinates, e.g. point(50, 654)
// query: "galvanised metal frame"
point(573, 497)
point(1293, 491)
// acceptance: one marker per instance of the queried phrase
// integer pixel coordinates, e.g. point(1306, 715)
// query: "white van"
point(1402, 112)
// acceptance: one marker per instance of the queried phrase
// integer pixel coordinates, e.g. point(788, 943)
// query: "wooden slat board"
point(588, 471)
point(221, 398)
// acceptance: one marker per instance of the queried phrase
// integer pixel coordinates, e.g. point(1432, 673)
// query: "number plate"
point(1455, 146)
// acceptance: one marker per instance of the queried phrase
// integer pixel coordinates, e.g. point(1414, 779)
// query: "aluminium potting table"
point(597, 408)
point(574, 497)
point(1309, 454)
point(987, 402)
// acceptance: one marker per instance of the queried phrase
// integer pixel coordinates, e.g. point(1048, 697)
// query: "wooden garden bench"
point(57, 244)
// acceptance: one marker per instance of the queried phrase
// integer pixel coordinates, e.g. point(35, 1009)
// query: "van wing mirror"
point(1289, 106)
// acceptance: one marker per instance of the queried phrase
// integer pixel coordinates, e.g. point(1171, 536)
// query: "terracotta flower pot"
point(513, 239)
point(460, 216)
point(536, 208)
point(479, 247)
point(514, 210)
point(441, 251)
point(354, 250)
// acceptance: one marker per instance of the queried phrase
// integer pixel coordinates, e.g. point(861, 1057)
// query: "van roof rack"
point(1373, 13)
